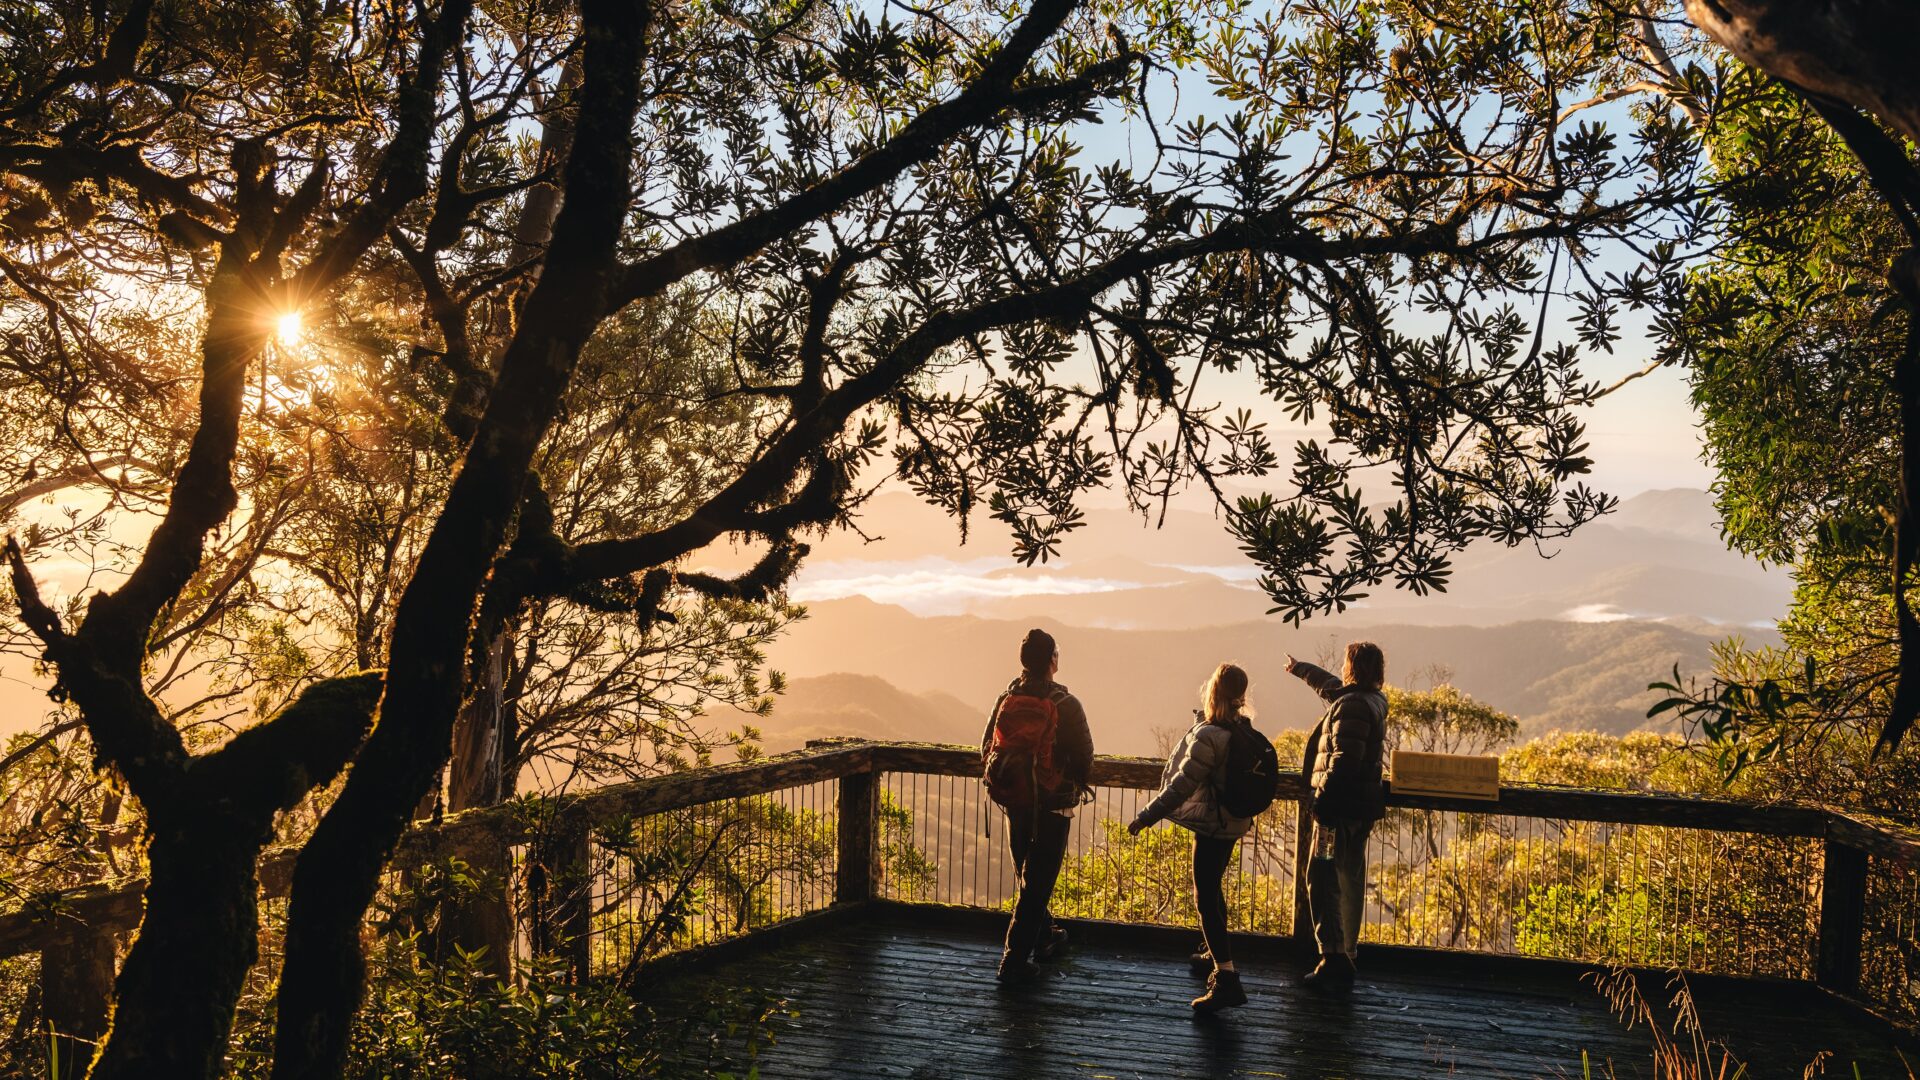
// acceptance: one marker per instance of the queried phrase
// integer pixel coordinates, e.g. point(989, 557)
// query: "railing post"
point(76, 990)
point(560, 893)
point(1843, 916)
point(484, 920)
point(575, 913)
point(1302, 851)
point(858, 863)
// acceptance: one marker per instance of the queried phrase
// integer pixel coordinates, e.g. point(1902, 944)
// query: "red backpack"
point(1020, 768)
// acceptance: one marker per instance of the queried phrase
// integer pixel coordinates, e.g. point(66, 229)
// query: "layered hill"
point(868, 707)
point(1552, 674)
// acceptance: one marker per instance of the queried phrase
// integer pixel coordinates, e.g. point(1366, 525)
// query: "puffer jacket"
point(1189, 795)
point(1344, 752)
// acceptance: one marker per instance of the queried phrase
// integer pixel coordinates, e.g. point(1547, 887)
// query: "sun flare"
point(287, 329)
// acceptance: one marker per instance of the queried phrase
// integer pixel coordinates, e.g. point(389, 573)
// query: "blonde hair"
point(1225, 694)
point(1366, 665)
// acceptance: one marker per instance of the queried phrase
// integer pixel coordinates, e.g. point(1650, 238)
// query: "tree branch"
point(270, 767)
point(126, 726)
point(118, 622)
point(38, 741)
point(69, 477)
point(1856, 51)
point(990, 95)
point(731, 509)
point(402, 176)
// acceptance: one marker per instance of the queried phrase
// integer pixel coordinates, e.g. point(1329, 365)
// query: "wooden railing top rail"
point(1877, 836)
point(118, 905)
point(1517, 800)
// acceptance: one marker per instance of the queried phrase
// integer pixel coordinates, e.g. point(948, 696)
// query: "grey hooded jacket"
point(1189, 795)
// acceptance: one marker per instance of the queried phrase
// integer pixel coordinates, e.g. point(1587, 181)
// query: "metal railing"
point(1106, 874)
point(615, 877)
point(1699, 884)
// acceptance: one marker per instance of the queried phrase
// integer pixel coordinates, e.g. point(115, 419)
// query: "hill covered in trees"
point(1553, 675)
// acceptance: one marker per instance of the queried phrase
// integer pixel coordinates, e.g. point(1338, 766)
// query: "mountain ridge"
point(1551, 674)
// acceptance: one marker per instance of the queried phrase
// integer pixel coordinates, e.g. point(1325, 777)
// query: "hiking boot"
point(1334, 972)
point(1200, 963)
point(1223, 992)
point(1051, 945)
point(1017, 971)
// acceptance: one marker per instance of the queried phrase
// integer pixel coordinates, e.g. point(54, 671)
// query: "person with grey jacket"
point(1343, 764)
point(1190, 798)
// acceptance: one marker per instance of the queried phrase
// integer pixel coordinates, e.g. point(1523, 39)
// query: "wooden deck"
point(897, 992)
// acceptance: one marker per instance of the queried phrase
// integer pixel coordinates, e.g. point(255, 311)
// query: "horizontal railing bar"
point(118, 906)
point(695, 787)
point(90, 907)
point(1517, 800)
point(1877, 836)
point(1631, 808)
point(946, 759)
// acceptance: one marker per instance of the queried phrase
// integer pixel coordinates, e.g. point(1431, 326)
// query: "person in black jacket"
point(1343, 759)
point(1040, 809)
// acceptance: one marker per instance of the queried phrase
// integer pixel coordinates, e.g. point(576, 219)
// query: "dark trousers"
point(1039, 845)
point(1210, 859)
point(1337, 885)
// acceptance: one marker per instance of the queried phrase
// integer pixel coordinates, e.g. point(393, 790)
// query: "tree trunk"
point(560, 894)
point(477, 774)
point(177, 990)
point(76, 994)
point(176, 993)
point(531, 234)
point(476, 778)
point(1856, 51)
point(477, 771)
point(339, 869)
point(542, 205)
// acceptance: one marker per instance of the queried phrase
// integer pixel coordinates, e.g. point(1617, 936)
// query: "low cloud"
point(939, 586)
point(1595, 613)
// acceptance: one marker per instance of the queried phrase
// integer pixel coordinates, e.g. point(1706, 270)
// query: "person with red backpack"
point(1037, 752)
point(1220, 777)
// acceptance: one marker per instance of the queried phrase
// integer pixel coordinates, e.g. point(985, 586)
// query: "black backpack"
point(1252, 776)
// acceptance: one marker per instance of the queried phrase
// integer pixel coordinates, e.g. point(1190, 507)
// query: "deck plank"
point(915, 998)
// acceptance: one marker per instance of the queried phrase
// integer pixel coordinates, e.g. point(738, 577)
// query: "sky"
point(1645, 435)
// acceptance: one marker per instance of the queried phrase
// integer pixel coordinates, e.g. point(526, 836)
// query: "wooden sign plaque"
point(1458, 776)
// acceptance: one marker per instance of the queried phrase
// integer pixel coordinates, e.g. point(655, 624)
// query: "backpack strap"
point(1218, 781)
point(993, 721)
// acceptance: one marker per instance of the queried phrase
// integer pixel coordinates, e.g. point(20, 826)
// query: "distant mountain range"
point(869, 707)
point(895, 674)
point(1659, 556)
point(911, 636)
